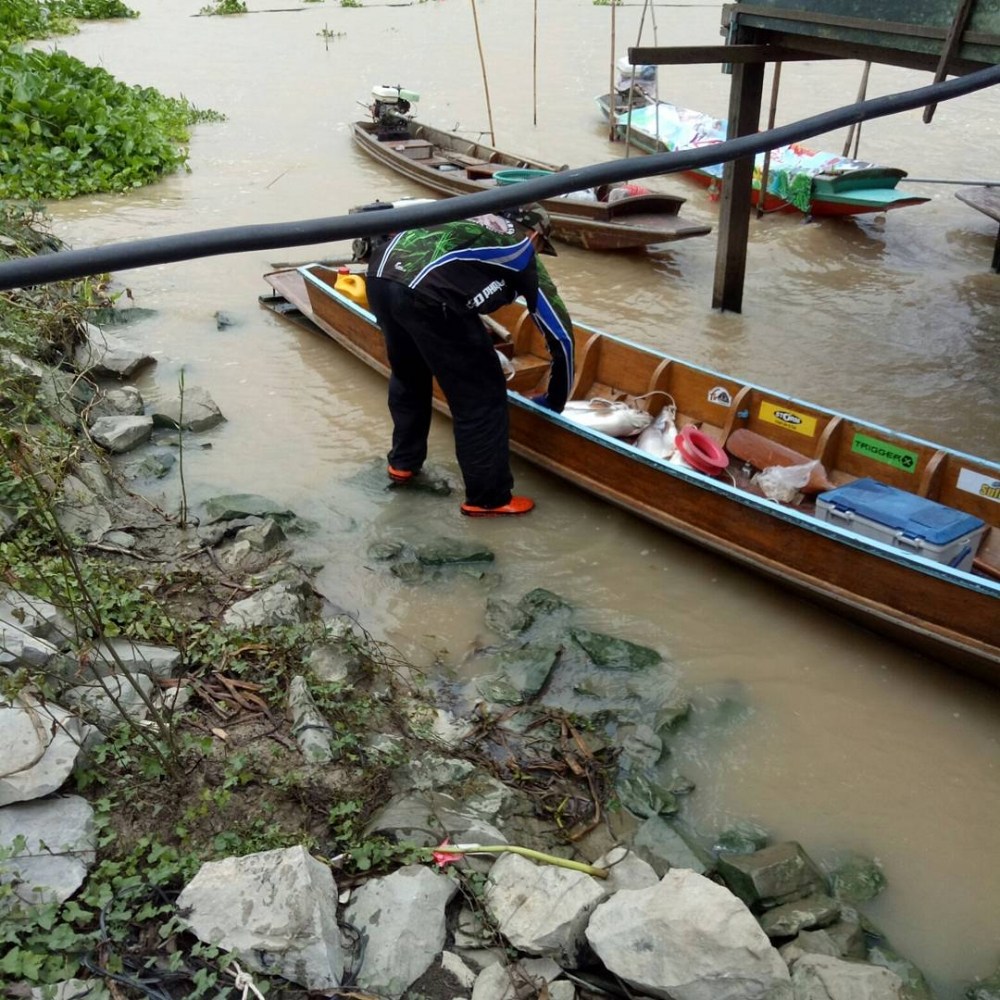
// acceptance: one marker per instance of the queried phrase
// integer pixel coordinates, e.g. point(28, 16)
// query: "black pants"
point(425, 340)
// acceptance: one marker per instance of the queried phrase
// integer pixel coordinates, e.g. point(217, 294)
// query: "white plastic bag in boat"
point(586, 194)
point(783, 482)
point(660, 437)
point(508, 368)
point(608, 416)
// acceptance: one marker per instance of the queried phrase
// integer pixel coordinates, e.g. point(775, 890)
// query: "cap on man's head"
point(534, 217)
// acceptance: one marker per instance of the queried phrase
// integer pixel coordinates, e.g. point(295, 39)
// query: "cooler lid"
point(915, 516)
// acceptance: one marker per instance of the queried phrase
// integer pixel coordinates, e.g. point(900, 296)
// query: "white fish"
point(660, 437)
point(608, 416)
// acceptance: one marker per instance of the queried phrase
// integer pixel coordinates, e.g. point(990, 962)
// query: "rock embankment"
point(672, 917)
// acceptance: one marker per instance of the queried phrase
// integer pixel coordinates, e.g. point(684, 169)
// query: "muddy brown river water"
point(848, 741)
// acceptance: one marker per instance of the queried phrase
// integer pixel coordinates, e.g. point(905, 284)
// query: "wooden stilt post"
point(482, 63)
point(745, 93)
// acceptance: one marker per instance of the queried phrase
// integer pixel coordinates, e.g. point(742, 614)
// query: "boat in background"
point(894, 531)
point(798, 178)
point(619, 217)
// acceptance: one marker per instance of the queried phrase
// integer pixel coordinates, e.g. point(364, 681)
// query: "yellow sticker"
point(783, 416)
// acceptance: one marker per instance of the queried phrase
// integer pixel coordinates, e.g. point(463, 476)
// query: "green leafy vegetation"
point(24, 19)
point(70, 129)
point(223, 7)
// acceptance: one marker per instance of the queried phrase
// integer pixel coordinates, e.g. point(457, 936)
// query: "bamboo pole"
point(611, 84)
point(854, 132)
point(534, 69)
point(482, 63)
point(771, 112)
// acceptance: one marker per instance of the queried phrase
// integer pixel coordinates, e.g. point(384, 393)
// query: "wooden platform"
point(987, 201)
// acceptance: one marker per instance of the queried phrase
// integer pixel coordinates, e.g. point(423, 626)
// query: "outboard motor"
point(389, 110)
point(362, 246)
point(643, 78)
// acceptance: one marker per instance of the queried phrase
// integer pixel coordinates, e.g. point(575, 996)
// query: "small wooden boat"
point(452, 165)
point(798, 179)
point(897, 532)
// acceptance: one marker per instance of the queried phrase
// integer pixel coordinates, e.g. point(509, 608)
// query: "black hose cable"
point(237, 239)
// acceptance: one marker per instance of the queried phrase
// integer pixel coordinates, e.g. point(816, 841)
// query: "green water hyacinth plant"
point(69, 129)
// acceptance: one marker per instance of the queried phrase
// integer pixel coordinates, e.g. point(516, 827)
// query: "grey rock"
point(528, 977)
point(194, 411)
point(857, 879)
point(687, 938)
point(277, 911)
point(80, 512)
point(659, 843)
point(114, 699)
point(786, 920)
point(311, 730)
point(39, 746)
point(771, 876)
point(521, 896)
point(59, 845)
point(105, 354)
point(121, 434)
point(280, 604)
point(121, 654)
point(122, 402)
point(821, 977)
point(403, 917)
point(37, 617)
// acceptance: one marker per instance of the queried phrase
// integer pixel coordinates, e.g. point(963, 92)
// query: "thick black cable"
point(239, 239)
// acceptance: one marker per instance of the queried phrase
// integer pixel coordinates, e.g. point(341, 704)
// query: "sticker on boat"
point(979, 485)
point(882, 451)
point(801, 423)
point(720, 395)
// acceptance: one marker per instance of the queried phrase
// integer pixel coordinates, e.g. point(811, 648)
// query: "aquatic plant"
point(71, 129)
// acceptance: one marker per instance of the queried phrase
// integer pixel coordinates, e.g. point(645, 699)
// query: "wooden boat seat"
point(483, 171)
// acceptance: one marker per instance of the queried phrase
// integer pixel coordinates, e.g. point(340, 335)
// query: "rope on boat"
point(267, 236)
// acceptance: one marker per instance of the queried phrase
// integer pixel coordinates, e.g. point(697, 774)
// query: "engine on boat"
point(643, 78)
point(362, 246)
point(389, 108)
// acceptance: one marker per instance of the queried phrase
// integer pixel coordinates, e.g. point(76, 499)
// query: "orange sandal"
point(399, 475)
point(516, 507)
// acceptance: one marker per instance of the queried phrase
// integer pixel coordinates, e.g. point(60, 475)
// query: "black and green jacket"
point(477, 266)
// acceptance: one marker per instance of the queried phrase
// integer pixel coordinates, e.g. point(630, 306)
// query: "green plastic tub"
point(505, 177)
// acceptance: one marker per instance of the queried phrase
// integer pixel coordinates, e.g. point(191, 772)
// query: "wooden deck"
point(987, 201)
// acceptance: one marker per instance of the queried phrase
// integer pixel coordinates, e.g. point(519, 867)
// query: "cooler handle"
point(909, 541)
point(841, 512)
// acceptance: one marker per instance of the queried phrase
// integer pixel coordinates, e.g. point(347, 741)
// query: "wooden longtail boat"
point(452, 165)
point(798, 179)
point(892, 573)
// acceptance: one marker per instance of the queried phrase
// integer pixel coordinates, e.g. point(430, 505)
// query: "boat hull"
point(948, 615)
point(451, 165)
point(857, 191)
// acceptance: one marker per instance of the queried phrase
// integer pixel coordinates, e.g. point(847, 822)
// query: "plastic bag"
point(783, 482)
point(508, 369)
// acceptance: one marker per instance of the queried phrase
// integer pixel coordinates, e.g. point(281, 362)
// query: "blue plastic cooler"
point(904, 520)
